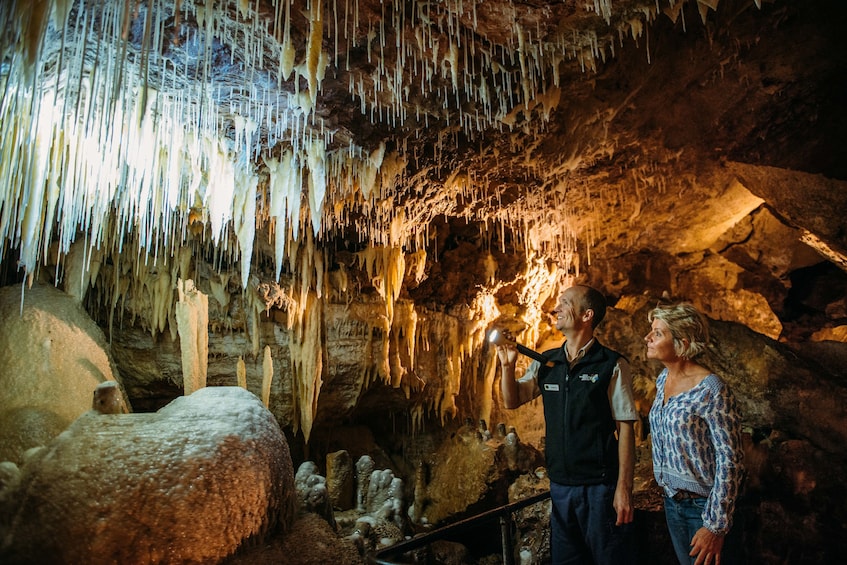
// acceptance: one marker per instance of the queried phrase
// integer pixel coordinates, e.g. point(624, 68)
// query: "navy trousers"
point(583, 529)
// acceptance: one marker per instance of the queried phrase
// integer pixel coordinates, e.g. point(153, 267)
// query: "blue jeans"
point(684, 518)
point(583, 527)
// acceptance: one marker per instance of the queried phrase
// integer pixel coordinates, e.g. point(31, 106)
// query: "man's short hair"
point(593, 299)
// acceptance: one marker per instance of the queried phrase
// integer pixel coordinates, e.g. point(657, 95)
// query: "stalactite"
point(194, 162)
point(314, 48)
point(244, 218)
point(403, 344)
point(306, 349)
point(316, 155)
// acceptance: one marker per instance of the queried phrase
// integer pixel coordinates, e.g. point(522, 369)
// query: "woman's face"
point(660, 342)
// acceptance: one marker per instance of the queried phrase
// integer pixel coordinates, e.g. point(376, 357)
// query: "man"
point(590, 445)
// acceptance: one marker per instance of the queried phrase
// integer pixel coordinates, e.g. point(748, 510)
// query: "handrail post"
point(506, 539)
point(503, 513)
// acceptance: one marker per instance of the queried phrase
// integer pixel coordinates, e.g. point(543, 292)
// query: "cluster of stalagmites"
point(358, 496)
point(368, 507)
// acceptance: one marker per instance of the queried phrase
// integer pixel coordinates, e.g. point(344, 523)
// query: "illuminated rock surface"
point(190, 483)
point(52, 357)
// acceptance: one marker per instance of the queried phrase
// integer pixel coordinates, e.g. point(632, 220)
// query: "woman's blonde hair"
point(684, 322)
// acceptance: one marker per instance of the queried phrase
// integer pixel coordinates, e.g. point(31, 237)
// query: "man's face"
point(568, 312)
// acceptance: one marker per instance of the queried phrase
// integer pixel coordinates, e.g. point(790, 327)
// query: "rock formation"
point(192, 483)
point(52, 357)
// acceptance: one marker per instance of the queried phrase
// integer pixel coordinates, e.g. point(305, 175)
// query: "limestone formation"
point(311, 541)
point(52, 356)
point(109, 399)
point(312, 492)
point(473, 474)
point(378, 523)
point(364, 469)
point(26, 428)
point(340, 479)
point(386, 498)
point(191, 483)
point(9, 476)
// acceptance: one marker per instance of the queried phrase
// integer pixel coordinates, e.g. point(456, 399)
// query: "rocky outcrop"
point(471, 472)
point(52, 357)
point(191, 483)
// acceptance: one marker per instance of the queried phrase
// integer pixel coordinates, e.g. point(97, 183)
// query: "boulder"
point(52, 356)
point(190, 483)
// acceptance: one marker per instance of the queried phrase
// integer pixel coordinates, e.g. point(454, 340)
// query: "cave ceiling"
point(585, 133)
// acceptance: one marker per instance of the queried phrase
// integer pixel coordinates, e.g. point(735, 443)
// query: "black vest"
point(580, 445)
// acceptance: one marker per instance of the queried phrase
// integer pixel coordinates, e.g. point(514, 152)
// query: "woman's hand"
point(706, 547)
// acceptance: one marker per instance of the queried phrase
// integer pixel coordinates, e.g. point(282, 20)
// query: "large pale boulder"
point(190, 483)
point(52, 357)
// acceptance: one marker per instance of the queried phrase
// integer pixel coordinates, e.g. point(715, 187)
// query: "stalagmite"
point(192, 317)
point(267, 376)
point(241, 372)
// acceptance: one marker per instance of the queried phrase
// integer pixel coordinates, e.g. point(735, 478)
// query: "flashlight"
point(498, 338)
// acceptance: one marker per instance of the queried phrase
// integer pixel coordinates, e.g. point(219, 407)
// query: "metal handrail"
point(504, 513)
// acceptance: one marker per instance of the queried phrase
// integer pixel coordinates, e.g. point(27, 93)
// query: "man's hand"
point(626, 471)
point(706, 546)
point(623, 506)
point(508, 354)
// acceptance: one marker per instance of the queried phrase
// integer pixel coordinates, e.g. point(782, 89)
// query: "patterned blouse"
point(697, 447)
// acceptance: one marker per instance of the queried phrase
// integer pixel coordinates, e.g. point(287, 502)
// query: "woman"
point(696, 431)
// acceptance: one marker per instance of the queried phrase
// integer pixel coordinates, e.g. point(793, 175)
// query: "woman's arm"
point(724, 421)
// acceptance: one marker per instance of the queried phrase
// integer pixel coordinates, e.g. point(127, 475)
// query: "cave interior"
point(331, 203)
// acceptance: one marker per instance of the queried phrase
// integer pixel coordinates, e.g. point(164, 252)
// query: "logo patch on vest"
point(590, 378)
point(551, 387)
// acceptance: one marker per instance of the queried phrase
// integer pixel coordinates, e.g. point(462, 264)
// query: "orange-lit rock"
point(52, 357)
point(191, 483)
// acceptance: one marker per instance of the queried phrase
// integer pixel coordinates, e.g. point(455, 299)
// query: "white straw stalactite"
point(128, 140)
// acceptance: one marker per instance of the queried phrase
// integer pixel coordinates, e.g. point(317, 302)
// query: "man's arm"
point(625, 413)
point(626, 472)
point(514, 392)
